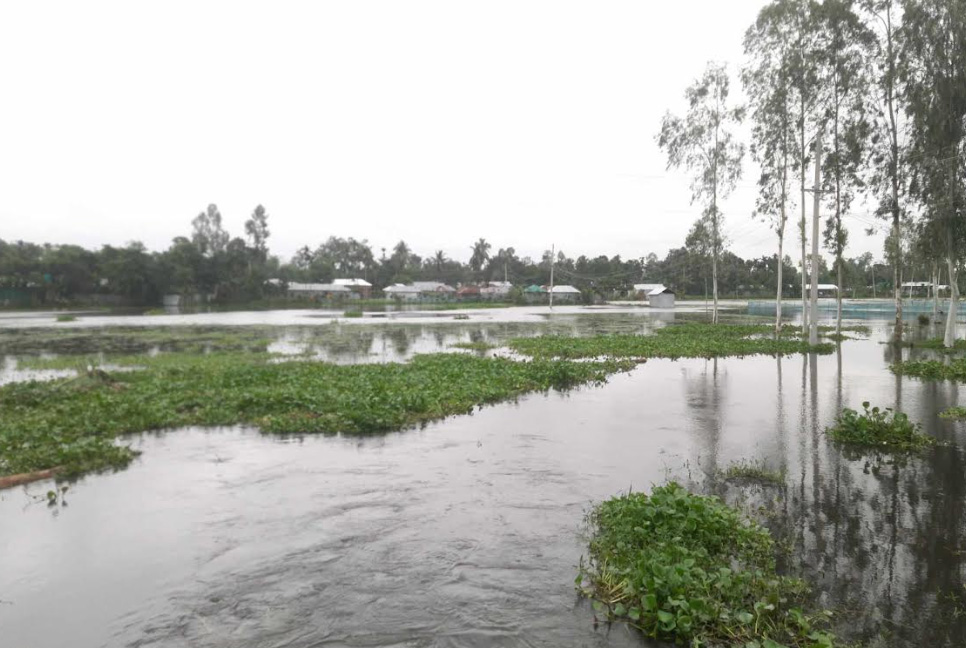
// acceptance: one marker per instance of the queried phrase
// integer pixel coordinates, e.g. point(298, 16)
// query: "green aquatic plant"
point(74, 424)
point(879, 428)
point(744, 471)
point(689, 340)
point(689, 569)
point(952, 369)
point(352, 313)
point(955, 413)
point(67, 318)
point(936, 344)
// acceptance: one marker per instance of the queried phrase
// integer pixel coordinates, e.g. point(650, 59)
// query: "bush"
point(923, 319)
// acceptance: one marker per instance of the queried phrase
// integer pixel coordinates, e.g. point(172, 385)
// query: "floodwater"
point(467, 532)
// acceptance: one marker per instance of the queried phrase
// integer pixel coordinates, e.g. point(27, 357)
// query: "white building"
point(317, 290)
point(565, 293)
point(401, 291)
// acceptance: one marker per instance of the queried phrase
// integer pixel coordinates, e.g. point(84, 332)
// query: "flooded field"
point(468, 531)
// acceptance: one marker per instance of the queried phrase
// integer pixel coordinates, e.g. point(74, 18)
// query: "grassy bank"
point(689, 569)
point(75, 423)
point(690, 340)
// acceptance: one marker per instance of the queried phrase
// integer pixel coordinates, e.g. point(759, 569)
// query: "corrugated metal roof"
point(316, 287)
point(352, 282)
point(566, 290)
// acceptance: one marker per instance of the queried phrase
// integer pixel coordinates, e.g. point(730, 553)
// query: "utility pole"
point(553, 252)
point(813, 298)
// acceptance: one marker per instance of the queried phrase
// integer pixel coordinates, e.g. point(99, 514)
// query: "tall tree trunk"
point(935, 290)
point(949, 339)
point(802, 228)
point(778, 295)
point(838, 313)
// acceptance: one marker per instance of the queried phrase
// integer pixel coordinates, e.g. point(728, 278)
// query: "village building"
point(565, 294)
point(316, 291)
point(359, 287)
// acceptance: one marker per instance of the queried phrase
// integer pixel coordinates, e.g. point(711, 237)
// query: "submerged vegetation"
point(689, 569)
point(753, 472)
point(73, 424)
point(474, 346)
point(690, 340)
point(877, 427)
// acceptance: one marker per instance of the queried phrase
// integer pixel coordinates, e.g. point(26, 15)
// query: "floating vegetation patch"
point(73, 424)
point(951, 369)
point(879, 428)
point(123, 340)
point(753, 472)
point(954, 413)
point(352, 313)
point(936, 344)
point(66, 318)
point(689, 569)
point(690, 340)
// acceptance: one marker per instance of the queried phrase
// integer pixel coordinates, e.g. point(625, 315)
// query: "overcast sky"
point(527, 123)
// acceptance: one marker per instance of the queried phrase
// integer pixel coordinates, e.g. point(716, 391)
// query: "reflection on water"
point(467, 532)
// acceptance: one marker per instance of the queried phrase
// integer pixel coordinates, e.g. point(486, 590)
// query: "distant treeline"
point(230, 269)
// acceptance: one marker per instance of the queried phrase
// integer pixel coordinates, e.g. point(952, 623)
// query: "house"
point(468, 293)
point(661, 298)
point(535, 294)
point(565, 294)
point(359, 287)
point(317, 290)
point(401, 291)
point(434, 290)
point(495, 290)
point(921, 289)
point(825, 290)
point(642, 290)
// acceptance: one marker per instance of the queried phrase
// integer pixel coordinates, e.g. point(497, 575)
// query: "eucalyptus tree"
point(934, 69)
point(843, 45)
point(209, 235)
point(800, 16)
point(768, 82)
point(887, 176)
point(702, 142)
point(256, 227)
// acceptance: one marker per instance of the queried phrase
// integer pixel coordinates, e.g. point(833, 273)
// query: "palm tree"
point(439, 258)
point(481, 254)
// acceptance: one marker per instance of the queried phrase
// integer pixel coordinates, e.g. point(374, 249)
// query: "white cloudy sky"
point(520, 121)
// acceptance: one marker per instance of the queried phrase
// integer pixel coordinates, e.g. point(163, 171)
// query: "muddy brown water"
point(467, 532)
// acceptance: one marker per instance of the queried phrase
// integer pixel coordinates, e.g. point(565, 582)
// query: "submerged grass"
point(474, 346)
point(74, 423)
point(689, 569)
point(879, 428)
point(753, 472)
point(690, 340)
